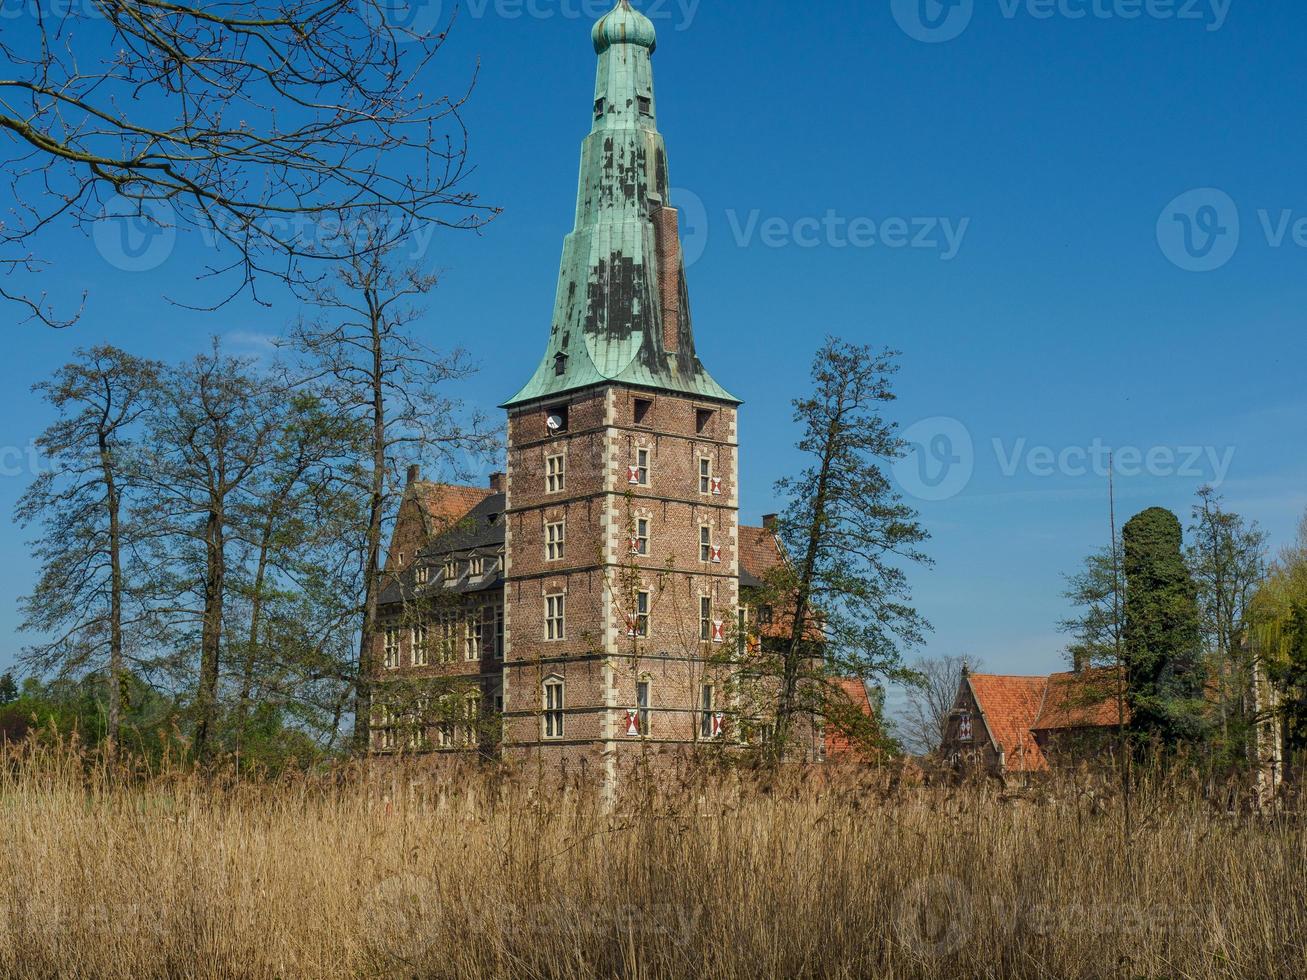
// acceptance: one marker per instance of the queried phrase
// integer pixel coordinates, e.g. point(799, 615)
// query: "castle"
point(586, 607)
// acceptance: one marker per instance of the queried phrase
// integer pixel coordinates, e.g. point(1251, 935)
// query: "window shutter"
point(632, 723)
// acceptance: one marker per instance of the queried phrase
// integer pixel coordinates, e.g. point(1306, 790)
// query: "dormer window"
point(421, 574)
point(451, 569)
point(476, 567)
point(646, 105)
point(600, 106)
point(560, 364)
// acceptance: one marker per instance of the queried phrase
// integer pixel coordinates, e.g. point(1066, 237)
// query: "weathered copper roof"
point(607, 324)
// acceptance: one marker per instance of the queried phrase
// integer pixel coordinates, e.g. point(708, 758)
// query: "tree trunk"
point(376, 513)
point(115, 599)
point(211, 634)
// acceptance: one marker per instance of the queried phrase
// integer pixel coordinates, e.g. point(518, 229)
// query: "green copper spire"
point(622, 313)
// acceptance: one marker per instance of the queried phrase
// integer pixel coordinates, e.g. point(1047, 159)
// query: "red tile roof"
point(1009, 706)
point(838, 746)
point(445, 504)
point(1088, 699)
point(760, 551)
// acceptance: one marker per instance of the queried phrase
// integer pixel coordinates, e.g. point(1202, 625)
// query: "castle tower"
point(621, 569)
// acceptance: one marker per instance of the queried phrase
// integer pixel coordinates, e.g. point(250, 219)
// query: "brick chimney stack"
point(497, 482)
point(667, 228)
point(414, 474)
point(771, 522)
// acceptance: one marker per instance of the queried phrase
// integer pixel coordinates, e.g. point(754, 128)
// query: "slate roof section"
point(607, 324)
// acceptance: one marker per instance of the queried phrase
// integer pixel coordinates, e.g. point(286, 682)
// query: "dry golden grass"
point(408, 875)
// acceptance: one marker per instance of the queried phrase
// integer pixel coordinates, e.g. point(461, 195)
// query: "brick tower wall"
point(598, 661)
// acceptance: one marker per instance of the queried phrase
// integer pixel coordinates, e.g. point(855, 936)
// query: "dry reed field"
point(405, 874)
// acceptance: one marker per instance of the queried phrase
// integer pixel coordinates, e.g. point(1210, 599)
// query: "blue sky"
point(1010, 208)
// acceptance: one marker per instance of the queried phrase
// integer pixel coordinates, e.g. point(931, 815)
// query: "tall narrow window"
point(392, 647)
point(637, 474)
point(451, 570)
point(645, 104)
point(705, 617)
point(471, 718)
point(475, 635)
point(707, 723)
point(641, 410)
point(476, 567)
point(495, 616)
point(640, 541)
point(422, 574)
point(554, 541)
point(421, 646)
point(705, 474)
point(553, 704)
point(448, 637)
point(642, 699)
point(555, 473)
point(642, 614)
point(705, 543)
point(555, 617)
point(702, 419)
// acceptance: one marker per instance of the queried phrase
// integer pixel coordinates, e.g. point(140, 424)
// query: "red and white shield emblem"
point(633, 723)
point(715, 485)
point(633, 474)
point(630, 627)
point(716, 554)
point(635, 546)
point(718, 723)
point(718, 631)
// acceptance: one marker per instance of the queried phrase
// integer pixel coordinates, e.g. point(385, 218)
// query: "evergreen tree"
point(8, 688)
point(1164, 667)
point(844, 596)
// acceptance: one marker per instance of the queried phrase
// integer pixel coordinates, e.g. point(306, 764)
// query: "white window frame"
point(707, 709)
point(705, 618)
point(471, 718)
point(705, 542)
point(644, 706)
point(450, 570)
point(476, 566)
point(641, 467)
point(553, 701)
point(420, 641)
point(449, 622)
point(640, 542)
point(495, 614)
point(391, 648)
point(474, 638)
point(640, 614)
point(555, 617)
point(555, 540)
point(705, 474)
point(555, 473)
point(422, 574)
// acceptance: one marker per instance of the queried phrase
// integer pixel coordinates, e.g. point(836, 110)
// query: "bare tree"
point(269, 124)
point(211, 425)
point(377, 374)
point(930, 700)
point(82, 595)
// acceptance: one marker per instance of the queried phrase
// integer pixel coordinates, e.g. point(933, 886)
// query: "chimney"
point(668, 238)
point(497, 482)
point(771, 522)
point(414, 472)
